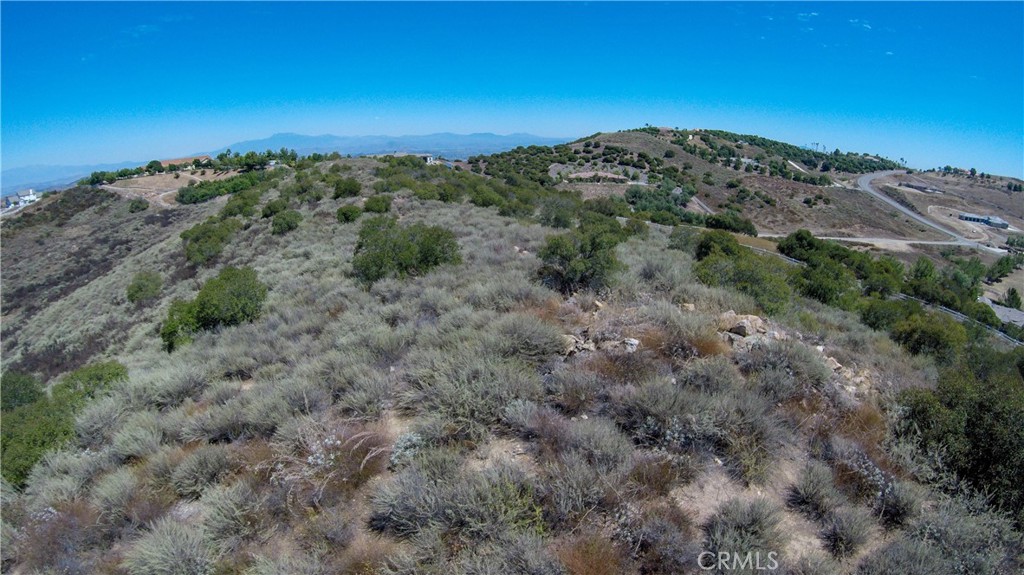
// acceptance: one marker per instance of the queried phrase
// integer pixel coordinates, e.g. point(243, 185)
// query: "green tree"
point(1012, 298)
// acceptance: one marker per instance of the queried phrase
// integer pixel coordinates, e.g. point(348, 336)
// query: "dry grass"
point(590, 554)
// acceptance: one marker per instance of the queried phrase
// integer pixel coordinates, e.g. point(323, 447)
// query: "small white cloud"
point(854, 21)
point(814, 13)
point(142, 30)
point(868, 26)
point(888, 53)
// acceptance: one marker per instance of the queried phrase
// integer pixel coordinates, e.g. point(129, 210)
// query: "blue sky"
point(935, 83)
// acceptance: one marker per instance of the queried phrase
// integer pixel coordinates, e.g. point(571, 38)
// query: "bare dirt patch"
point(160, 189)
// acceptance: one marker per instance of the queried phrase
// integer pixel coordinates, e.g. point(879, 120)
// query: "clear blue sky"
point(935, 83)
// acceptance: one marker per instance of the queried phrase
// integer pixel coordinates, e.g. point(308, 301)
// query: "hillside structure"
point(993, 221)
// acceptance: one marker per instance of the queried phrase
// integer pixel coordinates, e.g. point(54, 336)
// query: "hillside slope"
point(597, 403)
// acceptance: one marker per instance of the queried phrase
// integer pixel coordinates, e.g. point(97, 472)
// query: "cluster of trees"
point(205, 191)
point(973, 418)
point(881, 276)
point(224, 161)
point(35, 423)
point(742, 195)
point(234, 296)
point(1015, 187)
point(837, 160)
point(654, 203)
point(782, 169)
point(957, 286)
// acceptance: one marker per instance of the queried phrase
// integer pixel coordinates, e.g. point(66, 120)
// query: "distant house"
point(992, 221)
point(191, 160)
point(27, 197)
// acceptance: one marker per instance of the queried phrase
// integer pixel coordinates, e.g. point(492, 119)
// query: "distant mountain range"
point(453, 146)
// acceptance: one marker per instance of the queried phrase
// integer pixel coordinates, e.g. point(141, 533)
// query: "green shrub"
point(684, 239)
point(145, 286)
point(29, 432)
point(274, 207)
point(972, 417)
point(716, 241)
point(828, 282)
point(242, 204)
point(236, 295)
point(87, 382)
point(379, 204)
point(170, 548)
point(136, 205)
point(581, 259)
point(931, 333)
point(758, 276)
point(387, 249)
point(205, 241)
point(349, 213)
point(347, 188)
point(179, 326)
point(285, 222)
point(17, 389)
point(32, 430)
point(731, 221)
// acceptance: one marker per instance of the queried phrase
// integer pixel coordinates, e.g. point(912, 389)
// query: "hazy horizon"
point(934, 83)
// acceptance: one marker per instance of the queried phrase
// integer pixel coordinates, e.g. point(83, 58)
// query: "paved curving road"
point(864, 183)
